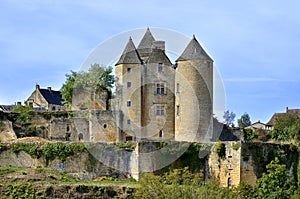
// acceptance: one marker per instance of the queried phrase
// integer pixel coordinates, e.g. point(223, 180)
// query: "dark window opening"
point(105, 126)
point(160, 67)
point(128, 122)
point(53, 108)
point(229, 182)
point(128, 138)
point(128, 70)
point(160, 133)
point(177, 110)
point(128, 103)
point(80, 136)
point(128, 84)
point(160, 88)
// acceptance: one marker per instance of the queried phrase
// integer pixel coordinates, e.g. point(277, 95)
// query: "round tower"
point(194, 94)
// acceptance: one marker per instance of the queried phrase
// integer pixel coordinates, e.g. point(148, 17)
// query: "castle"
point(160, 100)
point(155, 99)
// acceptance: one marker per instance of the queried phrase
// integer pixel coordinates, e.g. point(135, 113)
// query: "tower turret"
point(194, 94)
point(128, 89)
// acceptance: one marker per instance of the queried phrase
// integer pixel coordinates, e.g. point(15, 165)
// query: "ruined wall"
point(246, 162)
point(225, 170)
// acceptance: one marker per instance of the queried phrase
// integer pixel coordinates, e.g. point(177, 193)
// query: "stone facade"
point(161, 100)
point(45, 99)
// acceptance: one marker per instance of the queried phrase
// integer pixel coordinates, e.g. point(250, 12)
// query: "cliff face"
point(246, 162)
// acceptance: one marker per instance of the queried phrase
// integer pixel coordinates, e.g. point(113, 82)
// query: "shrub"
point(220, 149)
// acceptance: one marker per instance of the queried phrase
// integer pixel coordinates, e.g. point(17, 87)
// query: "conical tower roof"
point(194, 51)
point(130, 54)
point(144, 48)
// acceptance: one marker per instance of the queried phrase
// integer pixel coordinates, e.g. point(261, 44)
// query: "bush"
point(236, 146)
point(220, 149)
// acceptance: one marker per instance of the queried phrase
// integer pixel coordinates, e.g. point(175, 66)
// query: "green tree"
point(96, 79)
point(286, 127)
point(229, 117)
point(276, 183)
point(244, 121)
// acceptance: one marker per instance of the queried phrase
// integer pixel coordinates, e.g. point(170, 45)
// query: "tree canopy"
point(229, 117)
point(276, 183)
point(286, 128)
point(97, 78)
point(244, 121)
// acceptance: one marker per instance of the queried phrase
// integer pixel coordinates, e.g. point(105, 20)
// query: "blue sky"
point(254, 44)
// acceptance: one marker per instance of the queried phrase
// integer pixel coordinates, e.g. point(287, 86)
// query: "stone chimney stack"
point(287, 108)
point(158, 45)
point(37, 87)
point(19, 104)
point(49, 88)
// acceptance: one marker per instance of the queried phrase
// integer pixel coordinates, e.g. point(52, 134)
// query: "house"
point(45, 99)
point(257, 125)
point(270, 124)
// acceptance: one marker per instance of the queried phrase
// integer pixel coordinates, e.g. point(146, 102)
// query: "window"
point(178, 110)
point(53, 108)
point(128, 103)
point(229, 182)
point(128, 70)
point(160, 133)
point(128, 122)
point(177, 88)
point(160, 89)
point(160, 110)
point(128, 84)
point(160, 67)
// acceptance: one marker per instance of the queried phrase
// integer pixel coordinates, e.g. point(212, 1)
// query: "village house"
point(45, 99)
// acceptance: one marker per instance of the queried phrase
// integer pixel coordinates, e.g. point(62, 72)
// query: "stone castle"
point(155, 100)
point(160, 100)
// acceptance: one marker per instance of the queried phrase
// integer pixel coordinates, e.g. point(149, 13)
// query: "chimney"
point(158, 45)
point(287, 108)
point(49, 88)
point(37, 87)
point(19, 104)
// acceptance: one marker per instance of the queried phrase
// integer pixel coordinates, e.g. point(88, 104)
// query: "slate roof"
point(7, 107)
point(194, 51)
point(274, 118)
point(52, 97)
point(145, 46)
point(130, 55)
point(159, 56)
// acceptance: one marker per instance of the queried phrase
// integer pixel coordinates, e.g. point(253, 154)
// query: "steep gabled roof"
point(194, 51)
point(52, 97)
point(130, 54)
point(145, 45)
point(274, 118)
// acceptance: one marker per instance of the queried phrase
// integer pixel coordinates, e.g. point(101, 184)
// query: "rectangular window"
point(160, 110)
point(177, 88)
point(160, 67)
point(128, 70)
point(128, 84)
point(128, 122)
point(178, 110)
point(128, 103)
point(160, 89)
